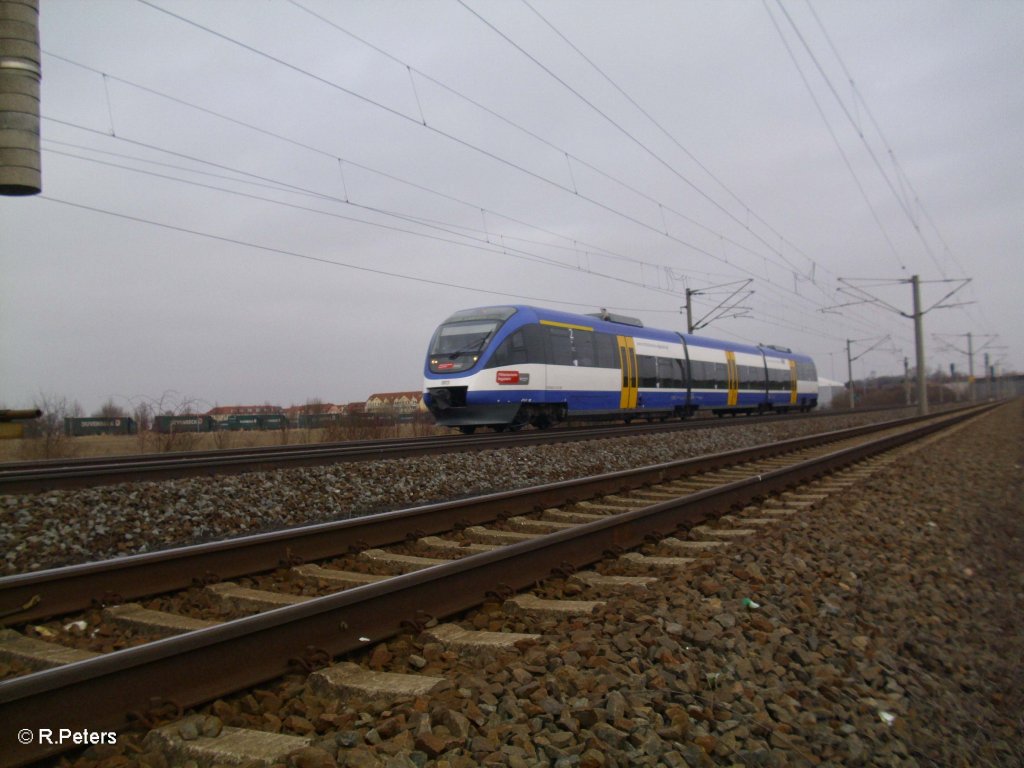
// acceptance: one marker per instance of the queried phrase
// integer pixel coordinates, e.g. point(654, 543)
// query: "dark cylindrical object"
point(20, 73)
point(10, 414)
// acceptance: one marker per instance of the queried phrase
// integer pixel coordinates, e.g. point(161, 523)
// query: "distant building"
point(827, 390)
point(311, 409)
point(398, 403)
point(314, 415)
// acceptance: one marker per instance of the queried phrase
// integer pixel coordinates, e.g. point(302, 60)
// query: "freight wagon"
point(96, 425)
point(188, 422)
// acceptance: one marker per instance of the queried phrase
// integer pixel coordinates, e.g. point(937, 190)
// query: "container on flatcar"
point(273, 421)
point(186, 422)
point(98, 425)
point(317, 420)
point(243, 421)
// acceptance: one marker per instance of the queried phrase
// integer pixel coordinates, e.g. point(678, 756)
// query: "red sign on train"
point(508, 377)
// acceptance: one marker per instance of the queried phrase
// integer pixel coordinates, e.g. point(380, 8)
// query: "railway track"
point(508, 541)
point(55, 474)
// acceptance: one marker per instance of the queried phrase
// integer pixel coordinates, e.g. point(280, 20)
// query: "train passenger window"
point(512, 351)
point(523, 346)
point(708, 375)
point(751, 377)
point(670, 373)
point(558, 343)
point(583, 346)
point(778, 379)
point(698, 379)
point(606, 351)
point(720, 378)
point(806, 371)
point(648, 371)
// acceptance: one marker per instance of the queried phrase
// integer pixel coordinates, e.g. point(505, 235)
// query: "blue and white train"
point(509, 366)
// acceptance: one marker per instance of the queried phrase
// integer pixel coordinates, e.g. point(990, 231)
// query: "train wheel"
point(467, 430)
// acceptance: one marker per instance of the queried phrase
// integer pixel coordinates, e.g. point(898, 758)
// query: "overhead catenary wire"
point(839, 146)
point(570, 157)
point(346, 90)
point(479, 243)
point(334, 158)
point(413, 118)
point(463, 142)
point(661, 206)
point(814, 265)
point(901, 174)
point(905, 205)
point(664, 131)
point(306, 256)
point(633, 139)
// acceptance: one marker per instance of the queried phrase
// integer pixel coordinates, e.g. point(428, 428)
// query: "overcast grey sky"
point(249, 202)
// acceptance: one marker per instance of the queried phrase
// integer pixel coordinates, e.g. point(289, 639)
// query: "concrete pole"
point(970, 368)
point(849, 376)
point(922, 382)
point(20, 169)
point(906, 379)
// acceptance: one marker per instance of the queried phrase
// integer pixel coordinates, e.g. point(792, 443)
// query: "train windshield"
point(457, 344)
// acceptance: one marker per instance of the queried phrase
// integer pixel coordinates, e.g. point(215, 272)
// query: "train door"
point(792, 382)
point(733, 378)
point(630, 375)
point(687, 377)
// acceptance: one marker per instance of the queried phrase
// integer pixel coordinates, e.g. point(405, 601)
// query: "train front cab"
point(453, 371)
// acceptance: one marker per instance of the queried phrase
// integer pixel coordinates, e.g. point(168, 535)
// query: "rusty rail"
point(42, 594)
point(54, 474)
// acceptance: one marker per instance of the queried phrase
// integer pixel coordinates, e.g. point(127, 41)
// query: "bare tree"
point(48, 439)
point(111, 410)
point(143, 415)
point(170, 403)
point(310, 411)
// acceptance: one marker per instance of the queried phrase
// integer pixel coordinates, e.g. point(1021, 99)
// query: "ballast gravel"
point(66, 527)
point(882, 628)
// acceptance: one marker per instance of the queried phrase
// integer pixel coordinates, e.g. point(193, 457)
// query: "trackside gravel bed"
point(883, 628)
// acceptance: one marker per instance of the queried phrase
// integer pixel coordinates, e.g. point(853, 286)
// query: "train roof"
point(628, 326)
point(615, 325)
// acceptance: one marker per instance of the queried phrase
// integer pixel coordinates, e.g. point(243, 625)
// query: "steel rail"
point(42, 594)
point(96, 694)
point(54, 474)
